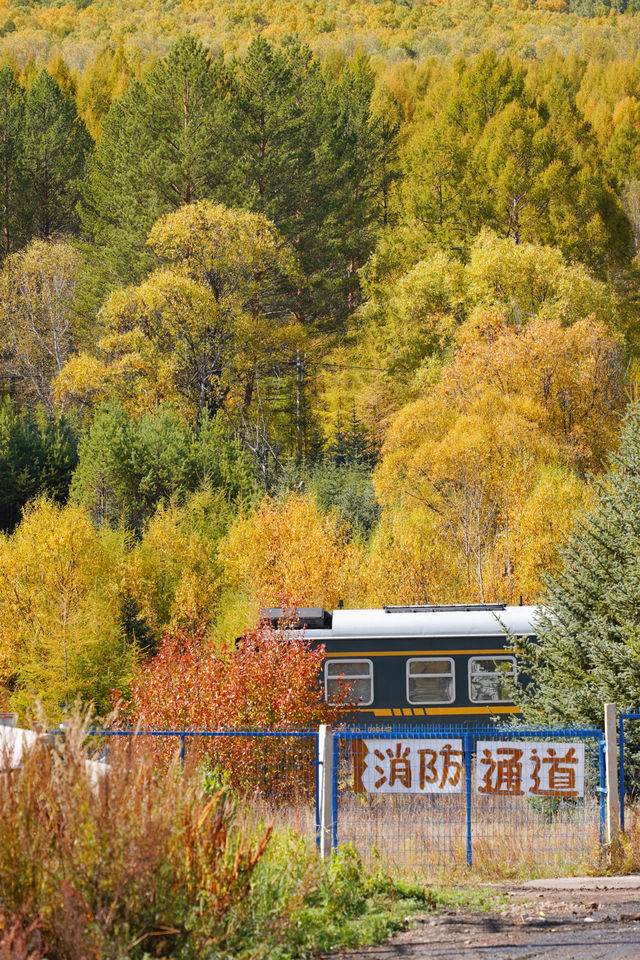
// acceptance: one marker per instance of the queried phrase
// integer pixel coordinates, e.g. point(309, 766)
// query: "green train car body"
point(445, 664)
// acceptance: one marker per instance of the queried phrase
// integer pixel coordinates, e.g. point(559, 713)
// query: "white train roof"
point(478, 621)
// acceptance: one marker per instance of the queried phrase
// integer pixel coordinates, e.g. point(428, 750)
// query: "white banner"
point(514, 768)
point(410, 766)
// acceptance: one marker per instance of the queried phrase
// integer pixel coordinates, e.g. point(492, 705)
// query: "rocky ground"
point(591, 918)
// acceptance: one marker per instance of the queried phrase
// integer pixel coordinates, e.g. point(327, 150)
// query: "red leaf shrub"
point(270, 681)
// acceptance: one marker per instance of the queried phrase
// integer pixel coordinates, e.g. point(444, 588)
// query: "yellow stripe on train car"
point(440, 711)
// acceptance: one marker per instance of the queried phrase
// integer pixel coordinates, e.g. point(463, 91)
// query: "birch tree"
point(37, 317)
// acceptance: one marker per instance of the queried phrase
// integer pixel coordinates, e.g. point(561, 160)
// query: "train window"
point(356, 674)
point(430, 680)
point(490, 678)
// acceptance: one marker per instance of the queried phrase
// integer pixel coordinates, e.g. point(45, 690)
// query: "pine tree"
point(37, 457)
point(588, 649)
point(162, 146)
point(135, 628)
point(359, 150)
point(118, 203)
point(12, 176)
point(56, 144)
point(128, 466)
point(313, 158)
point(281, 122)
point(20, 463)
point(59, 456)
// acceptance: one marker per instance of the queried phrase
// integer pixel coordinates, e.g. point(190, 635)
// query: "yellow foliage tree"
point(570, 375)
point(208, 330)
point(409, 561)
point(405, 331)
point(103, 80)
point(527, 548)
point(165, 339)
point(290, 551)
point(60, 634)
point(174, 572)
point(38, 322)
point(513, 406)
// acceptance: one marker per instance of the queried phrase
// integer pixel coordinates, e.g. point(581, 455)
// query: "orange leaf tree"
point(270, 681)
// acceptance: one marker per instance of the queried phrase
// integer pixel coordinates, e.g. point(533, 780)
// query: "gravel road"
point(579, 919)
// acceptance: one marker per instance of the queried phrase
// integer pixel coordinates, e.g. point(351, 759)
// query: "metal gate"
point(429, 798)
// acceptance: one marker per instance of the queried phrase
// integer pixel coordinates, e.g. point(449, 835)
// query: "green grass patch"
point(301, 907)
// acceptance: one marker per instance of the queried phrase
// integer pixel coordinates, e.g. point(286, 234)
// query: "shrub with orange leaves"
point(270, 681)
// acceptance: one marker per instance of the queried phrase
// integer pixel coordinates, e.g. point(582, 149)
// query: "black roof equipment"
point(316, 618)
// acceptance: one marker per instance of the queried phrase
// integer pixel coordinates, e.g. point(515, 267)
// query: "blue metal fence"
point(463, 822)
point(434, 831)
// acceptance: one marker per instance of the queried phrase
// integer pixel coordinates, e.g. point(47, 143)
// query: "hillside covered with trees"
point(331, 301)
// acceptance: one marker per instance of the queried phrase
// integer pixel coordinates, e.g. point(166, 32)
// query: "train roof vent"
point(316, 618)
point(446, 608)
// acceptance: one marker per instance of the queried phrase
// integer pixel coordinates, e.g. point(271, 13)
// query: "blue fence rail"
point(462, 823)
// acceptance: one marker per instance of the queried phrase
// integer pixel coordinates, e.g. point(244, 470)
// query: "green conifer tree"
point(56, 144)
point(359, 146)
point(135, 628)
point(588, 649)
point(21, 459)
point(128, 466)
point(12, 175)
point(281, 124)
point(162, 145)
point(59, 456)
point(37, 457)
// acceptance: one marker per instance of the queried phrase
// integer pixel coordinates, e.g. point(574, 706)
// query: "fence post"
point(622, 788)
point(611, 758)
point(603, 790)
point(468, 754)
point(325, 788)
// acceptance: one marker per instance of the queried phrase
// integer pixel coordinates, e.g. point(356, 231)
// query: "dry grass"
point(509, 837)
point(147, 860)
point(624, 857)
point(128, 863)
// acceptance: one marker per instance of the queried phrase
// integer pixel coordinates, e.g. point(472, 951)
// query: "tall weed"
point(129, 861)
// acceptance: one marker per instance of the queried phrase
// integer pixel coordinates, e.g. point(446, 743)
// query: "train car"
point(444, 664)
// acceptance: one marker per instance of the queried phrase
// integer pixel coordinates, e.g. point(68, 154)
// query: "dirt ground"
point(594, 918)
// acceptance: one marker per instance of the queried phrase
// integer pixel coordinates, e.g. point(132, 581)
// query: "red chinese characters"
point(399, 767)
point(518, 768)
point(501, 768)
point(412, 766)
point(501, 771)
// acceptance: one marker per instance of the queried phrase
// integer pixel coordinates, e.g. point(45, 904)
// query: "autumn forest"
point(319, 302)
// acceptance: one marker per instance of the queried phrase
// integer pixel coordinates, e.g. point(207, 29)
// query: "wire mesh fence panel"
point(273, 772)
point(424, 797)
point(537, 798)
point(431, 798)
point(385, 799)
point(629, 769)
